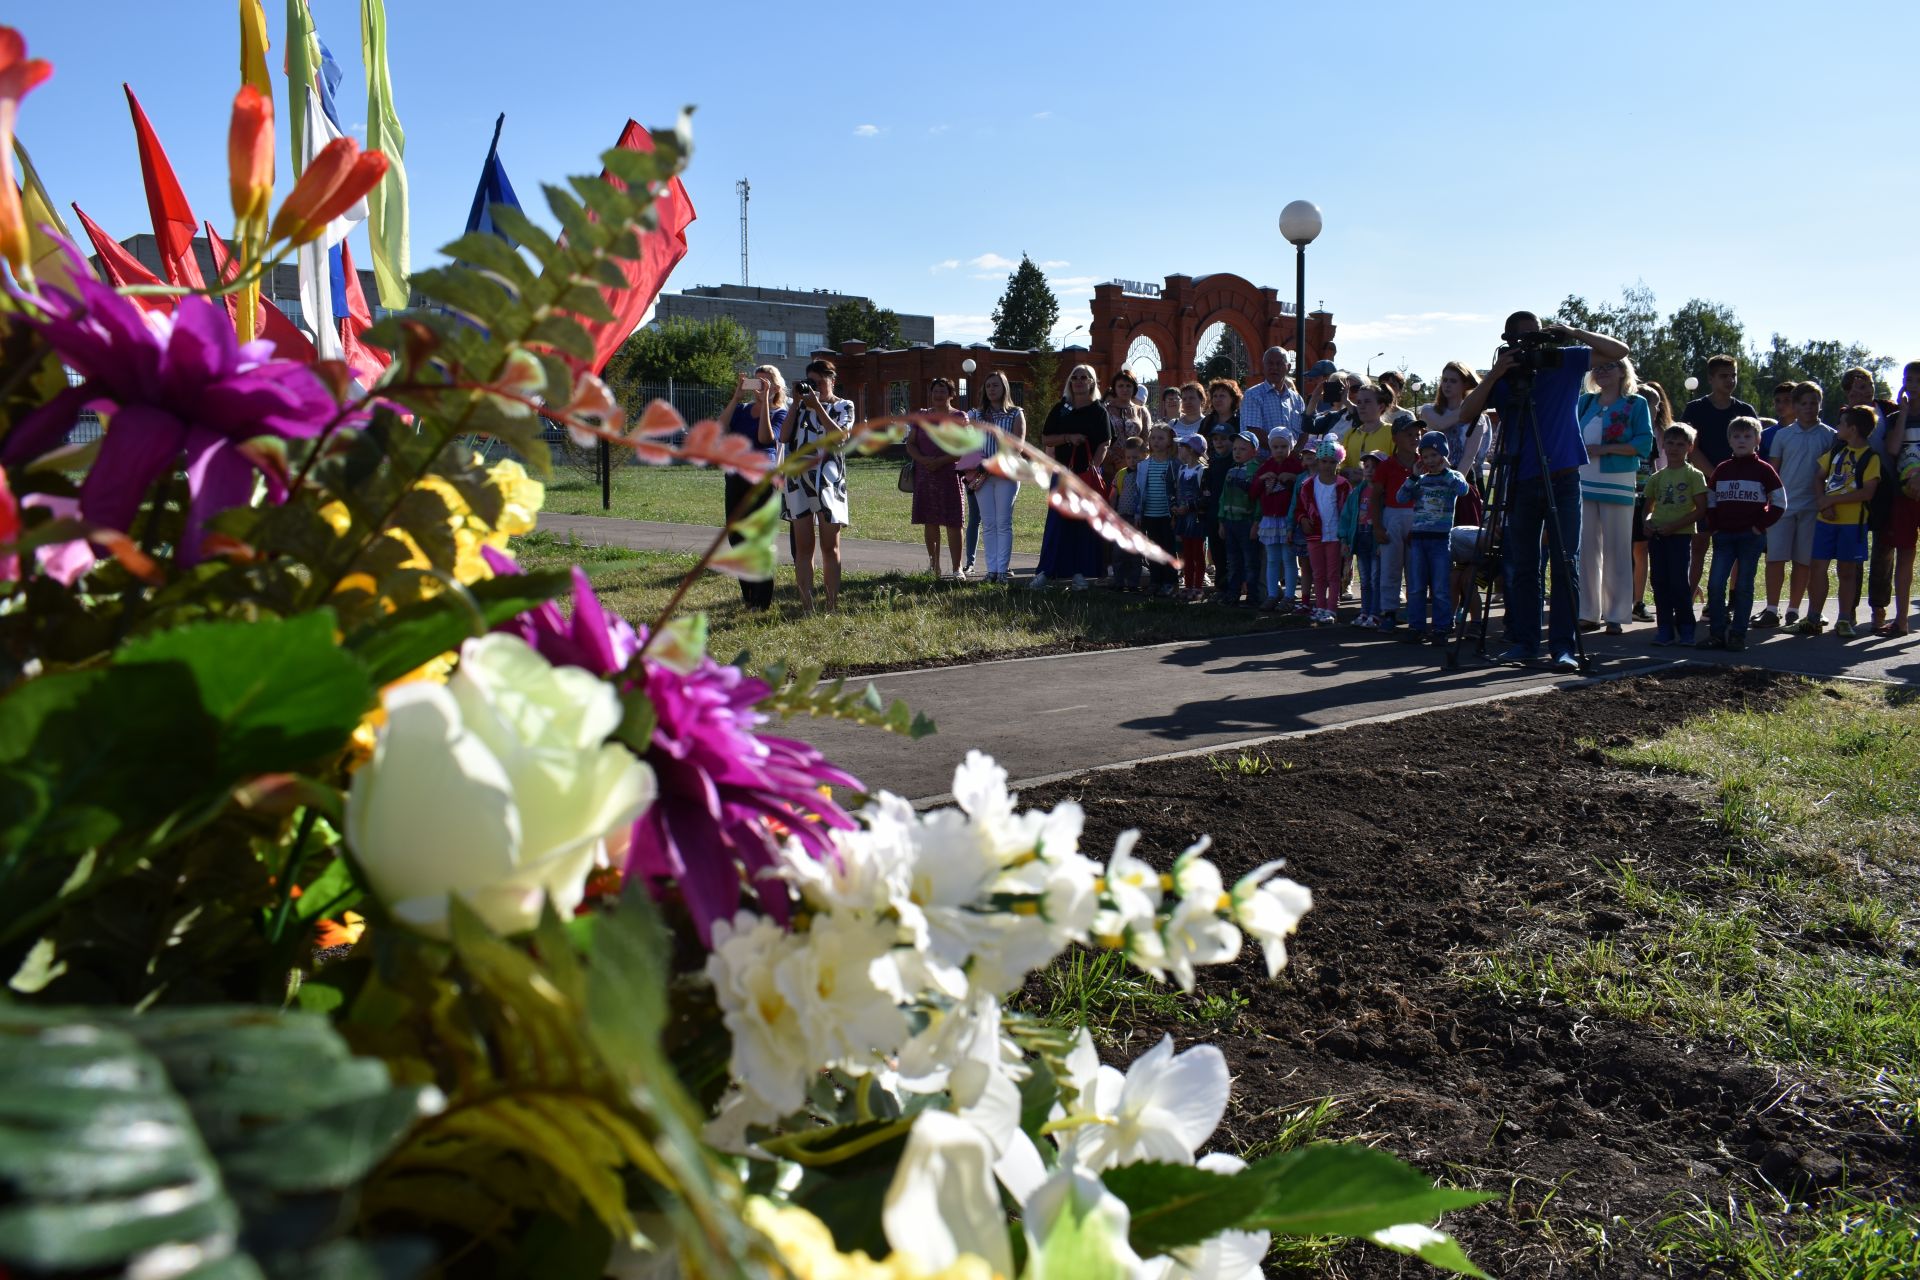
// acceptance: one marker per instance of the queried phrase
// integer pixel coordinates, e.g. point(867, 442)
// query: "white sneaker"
point(1038, 582)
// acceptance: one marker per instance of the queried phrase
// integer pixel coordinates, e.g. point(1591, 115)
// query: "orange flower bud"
point(18, 75)
point(340, 175)
point(250, 154)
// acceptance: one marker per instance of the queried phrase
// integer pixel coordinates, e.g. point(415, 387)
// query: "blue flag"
point(494, 189)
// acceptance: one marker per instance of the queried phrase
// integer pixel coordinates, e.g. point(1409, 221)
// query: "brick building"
point(1171, 317)
point(787, 326)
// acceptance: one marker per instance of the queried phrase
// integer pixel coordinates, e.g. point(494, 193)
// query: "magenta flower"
point(172, 387)
point(728, 795)
point(592, 638)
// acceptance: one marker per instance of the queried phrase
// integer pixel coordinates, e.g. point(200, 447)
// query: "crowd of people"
point(1335, 496)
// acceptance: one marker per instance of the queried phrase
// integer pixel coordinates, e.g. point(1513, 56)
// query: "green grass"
point(1790, 940)
point(1791, 936)
point(1100, 991)
point(886, 620)
point(696, 495)
point(1847, 1239)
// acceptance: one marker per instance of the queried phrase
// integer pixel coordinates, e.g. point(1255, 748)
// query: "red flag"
point(367, 363)
point(288, 342)
point(122, 268)
point(660, 251)
point(173, 220)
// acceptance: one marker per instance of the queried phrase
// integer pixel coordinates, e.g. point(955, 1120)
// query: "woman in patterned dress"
point(817, 497)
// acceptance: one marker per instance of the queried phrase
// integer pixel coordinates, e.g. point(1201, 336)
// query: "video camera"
point(1532, 352)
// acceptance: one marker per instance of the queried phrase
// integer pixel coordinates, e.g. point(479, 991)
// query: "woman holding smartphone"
point(996, 493)
point(758, 412)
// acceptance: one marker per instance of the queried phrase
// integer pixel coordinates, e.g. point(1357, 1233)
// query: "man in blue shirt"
point(1273, 403)
point(1553, 397)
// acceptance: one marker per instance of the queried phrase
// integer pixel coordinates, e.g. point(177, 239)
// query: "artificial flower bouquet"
point(371, 907)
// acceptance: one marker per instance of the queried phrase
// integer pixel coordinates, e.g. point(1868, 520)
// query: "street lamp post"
point(967, 367)
point(1300, 223)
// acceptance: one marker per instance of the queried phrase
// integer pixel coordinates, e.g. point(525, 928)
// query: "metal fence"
point(694, 401)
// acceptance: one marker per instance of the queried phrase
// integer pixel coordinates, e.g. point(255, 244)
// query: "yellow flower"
point(521, 496)
point(335, 513)
point(806, 1246)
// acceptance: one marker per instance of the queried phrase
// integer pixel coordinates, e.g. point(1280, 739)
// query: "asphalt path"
point(1050, 717)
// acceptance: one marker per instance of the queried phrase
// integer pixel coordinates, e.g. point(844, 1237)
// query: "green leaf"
point(530, 236)
point(798, 692)
point(282, 692)
point(394, 645)
point(637, 721)
point(1311, 1191)
point(636, 168)
point(1326, 1190)
point(1435, 1248)
point(753, 558)
point(78, 764)
point(571, 214)
point(1080, 1246)
point(473, 295)
point(491, 253)
point(562, 333)
point(1174, 1205)
point(76, 1085)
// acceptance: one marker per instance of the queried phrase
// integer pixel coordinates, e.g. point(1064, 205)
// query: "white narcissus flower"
point(773, 1054)
point(1412, 1236)
point(1070, 1193)
point(942, 1202)
point(1133, 885)
point(1163, 1108)
point(1269, 908)
point(499, 786)
point(836, 982)
point(1194, 933)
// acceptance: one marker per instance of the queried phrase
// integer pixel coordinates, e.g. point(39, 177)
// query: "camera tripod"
point(1492, 542)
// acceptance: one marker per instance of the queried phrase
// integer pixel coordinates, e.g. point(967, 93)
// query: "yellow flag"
point(50, 266)
point(253, 48)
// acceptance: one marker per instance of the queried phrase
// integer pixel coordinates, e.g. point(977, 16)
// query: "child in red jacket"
point(1317, 504)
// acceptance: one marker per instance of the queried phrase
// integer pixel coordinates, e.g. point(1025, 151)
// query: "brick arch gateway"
point(1175, 314)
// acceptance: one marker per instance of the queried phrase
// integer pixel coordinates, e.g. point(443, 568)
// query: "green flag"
point(386, 203)
point(300, 67)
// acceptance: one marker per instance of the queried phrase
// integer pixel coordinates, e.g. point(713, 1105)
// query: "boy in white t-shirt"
point(1796, 451)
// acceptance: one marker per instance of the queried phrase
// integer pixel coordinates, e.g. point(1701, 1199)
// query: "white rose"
point(499, 786)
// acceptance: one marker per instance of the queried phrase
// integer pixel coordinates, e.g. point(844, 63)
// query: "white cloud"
point(963, 328)
point(945, 264)
point(939, 128)
point(1042, 115)
point(991, 262)
point(1054, 264)
point(1075, 286)
point(1401, 325)
point(866, 131)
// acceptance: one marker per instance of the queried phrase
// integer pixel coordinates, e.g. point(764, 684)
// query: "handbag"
point(904, 482)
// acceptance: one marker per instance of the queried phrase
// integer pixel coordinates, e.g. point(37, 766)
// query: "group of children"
point(1290, 526)
point(1746, 497)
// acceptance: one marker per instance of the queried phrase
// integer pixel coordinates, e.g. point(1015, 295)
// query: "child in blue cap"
point(1432, 490)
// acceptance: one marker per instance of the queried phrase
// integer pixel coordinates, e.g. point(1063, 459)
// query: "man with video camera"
point(1534, 385)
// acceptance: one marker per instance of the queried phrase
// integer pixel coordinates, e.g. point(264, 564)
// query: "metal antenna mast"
point(745, 189)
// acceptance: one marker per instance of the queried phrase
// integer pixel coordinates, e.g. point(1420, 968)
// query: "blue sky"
point(1469, 158)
